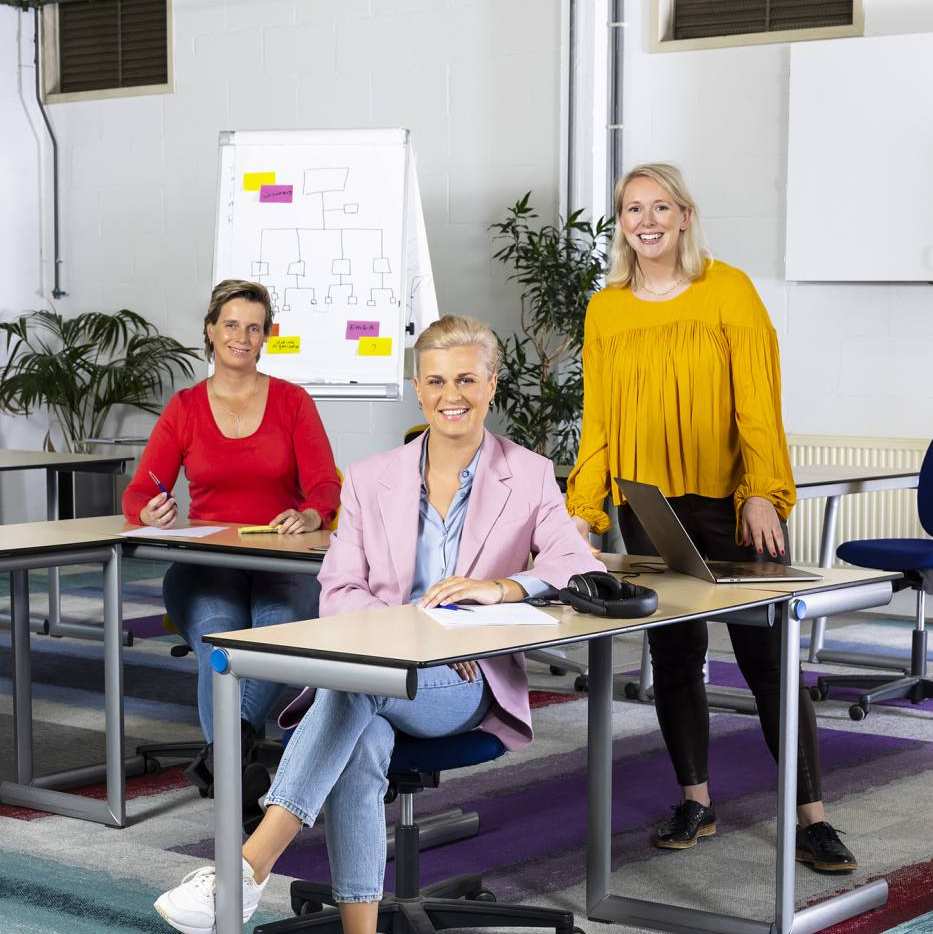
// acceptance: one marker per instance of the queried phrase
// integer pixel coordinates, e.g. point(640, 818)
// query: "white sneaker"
point(189, 907)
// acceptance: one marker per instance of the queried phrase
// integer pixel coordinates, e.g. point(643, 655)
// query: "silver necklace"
point(236, 417)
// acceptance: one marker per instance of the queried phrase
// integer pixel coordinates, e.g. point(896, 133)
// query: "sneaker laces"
point(202, 880)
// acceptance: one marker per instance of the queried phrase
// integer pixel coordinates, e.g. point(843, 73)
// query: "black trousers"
point(678, 653)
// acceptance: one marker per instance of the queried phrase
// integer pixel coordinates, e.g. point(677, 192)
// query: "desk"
point(54, 463)
point(50, 545)
point(812, 482)
point(379, 651)
point(834, 482)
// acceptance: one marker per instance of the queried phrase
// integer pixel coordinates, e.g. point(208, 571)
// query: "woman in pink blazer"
point(450, 517)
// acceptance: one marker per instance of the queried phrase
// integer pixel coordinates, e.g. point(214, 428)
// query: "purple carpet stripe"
point(146, 627)
point(516, 817)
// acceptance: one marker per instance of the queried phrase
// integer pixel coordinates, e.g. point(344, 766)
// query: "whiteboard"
point(330, 221)
point(860, 160)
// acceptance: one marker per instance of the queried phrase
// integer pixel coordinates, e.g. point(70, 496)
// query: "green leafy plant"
point(559, 266)
point(80, 368)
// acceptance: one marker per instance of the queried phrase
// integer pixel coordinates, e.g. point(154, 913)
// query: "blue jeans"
point(202, 600)
point(338, 758)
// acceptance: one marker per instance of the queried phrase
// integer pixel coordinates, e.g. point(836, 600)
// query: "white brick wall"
point(475, 80)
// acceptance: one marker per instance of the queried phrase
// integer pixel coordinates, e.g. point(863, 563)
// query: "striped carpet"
point(59, 875)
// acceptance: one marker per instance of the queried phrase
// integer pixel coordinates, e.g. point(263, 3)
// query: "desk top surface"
point(29, 537)
point(403, 636)
point(29, 460)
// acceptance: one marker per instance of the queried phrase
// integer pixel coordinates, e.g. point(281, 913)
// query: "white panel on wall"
point(860, 148)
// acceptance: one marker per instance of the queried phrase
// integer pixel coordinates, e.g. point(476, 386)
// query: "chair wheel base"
point(858, 712)
point(582, 684)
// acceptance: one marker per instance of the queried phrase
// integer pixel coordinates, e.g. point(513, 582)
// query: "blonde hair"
point(459, 331)
point(692, 254)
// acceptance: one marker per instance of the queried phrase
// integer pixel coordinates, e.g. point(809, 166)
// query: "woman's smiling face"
point(454, 387)
point(651, 219)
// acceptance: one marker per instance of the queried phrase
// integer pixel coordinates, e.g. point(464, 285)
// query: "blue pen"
point(454, 606)
point(159, 483)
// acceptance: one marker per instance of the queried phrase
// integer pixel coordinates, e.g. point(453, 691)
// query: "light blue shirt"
point(438, 543)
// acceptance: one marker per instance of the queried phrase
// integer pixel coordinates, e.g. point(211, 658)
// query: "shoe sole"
point(709, 830)
point(185, 929)
point(802, 856)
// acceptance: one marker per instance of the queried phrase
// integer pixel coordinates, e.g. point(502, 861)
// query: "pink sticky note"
point(276, 194)
point(357, 329)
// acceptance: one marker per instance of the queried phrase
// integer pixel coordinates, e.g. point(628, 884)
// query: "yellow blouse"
point(684, 394)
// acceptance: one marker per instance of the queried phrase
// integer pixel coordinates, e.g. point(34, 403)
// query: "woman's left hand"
point(468, 671)
point(761, 526)
point(458, 589)
point(294, 522)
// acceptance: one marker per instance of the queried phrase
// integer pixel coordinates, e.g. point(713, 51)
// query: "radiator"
point(886, 514)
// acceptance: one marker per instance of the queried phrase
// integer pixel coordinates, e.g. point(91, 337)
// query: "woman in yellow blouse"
point(682, 389)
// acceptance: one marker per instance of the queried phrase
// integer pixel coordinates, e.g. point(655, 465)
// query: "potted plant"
point(540, 390)
point(80, 368)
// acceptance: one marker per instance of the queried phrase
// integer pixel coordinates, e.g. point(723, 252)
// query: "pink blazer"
point(515, 509)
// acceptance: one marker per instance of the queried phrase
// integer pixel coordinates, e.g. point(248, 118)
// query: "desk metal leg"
point(599, 773)
point(228, 805)
point(41, 793)
point(827, 541)
point(22, 675)
point(53, 621)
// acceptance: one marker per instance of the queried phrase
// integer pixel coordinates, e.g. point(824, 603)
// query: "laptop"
point(676, 547)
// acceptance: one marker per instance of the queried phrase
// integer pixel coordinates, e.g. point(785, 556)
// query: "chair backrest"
point(925, 492)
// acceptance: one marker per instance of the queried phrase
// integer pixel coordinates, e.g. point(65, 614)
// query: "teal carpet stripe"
point(41, 897)
point(921, 925)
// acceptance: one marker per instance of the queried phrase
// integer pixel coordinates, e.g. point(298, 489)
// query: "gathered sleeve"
point(163, 456)
point(344, 574)
point(588, 483)
point(317, 474)
point(756, 381)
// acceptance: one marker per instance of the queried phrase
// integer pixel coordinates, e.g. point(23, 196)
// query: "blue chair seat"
point(437, 754)
point(889, 554)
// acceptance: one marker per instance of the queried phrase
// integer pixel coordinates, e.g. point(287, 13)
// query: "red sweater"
point(285, 464)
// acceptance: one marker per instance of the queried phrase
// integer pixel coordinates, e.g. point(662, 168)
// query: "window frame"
point(51, 74)
point(661, 30)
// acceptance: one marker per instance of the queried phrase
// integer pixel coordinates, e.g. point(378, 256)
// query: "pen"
point(159, 483)
point(454, 606)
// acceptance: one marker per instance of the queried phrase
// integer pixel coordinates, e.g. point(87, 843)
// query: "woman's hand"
point(761, 526)
point(294, 522)
point(161, 511)
point(583, 527)
point(468, 671)
point(459, 589)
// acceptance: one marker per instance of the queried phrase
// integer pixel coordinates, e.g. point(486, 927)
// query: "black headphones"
point(602, 594)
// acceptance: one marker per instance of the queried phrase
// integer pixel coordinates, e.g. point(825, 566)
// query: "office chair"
point(914, 558)
point(461, 902)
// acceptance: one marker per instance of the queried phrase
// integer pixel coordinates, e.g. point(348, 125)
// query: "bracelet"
point(501, 587)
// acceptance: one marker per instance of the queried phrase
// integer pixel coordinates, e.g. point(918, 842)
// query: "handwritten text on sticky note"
point(253, 181)
point(375, 347)
point(283, 345)
point(275, 194)
point(356, 329)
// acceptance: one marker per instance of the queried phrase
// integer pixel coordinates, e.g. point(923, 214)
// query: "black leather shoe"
point(691, 820)
point(200, 771)
point(819, 846)
point(256, 782)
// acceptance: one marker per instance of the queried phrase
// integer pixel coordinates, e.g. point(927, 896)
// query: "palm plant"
point(80, 368)
point(540, 389)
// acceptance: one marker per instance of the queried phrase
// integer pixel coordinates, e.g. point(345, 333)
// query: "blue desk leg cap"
point(799, 609)
point(220, 662)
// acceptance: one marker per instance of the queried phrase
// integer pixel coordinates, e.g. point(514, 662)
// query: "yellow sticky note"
point(283, 345)
point(253, 181)
point(375, 347)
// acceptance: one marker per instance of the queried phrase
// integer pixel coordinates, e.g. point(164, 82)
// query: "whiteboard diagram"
point(331, 223)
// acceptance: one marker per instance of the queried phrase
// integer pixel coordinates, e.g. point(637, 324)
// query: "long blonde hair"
point(692, 254)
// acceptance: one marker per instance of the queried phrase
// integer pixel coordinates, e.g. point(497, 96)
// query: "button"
point(464, 474)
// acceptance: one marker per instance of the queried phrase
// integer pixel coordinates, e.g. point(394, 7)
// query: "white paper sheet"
point(195, 531)
point(500, 614)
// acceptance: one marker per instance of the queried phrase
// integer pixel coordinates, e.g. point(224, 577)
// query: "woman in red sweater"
point(254, 451)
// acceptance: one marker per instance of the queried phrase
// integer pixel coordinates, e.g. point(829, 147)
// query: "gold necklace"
point(237, 417)
point(644, 288)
